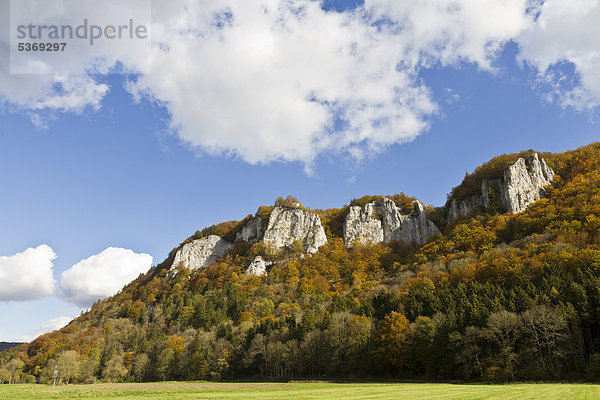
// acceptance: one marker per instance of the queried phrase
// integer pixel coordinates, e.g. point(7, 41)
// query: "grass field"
point(301, 390)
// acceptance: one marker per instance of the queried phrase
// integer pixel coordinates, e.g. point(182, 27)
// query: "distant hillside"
point(383, 287)
point(8, 345)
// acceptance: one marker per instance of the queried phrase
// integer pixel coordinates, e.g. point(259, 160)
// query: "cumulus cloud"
point(453, 30)
point(281, 80)
point(269, 80)
point(58, 92)
point(566, 32)
point(102, 275)
point(286, 80)
point(47, 327)
point(27, 275)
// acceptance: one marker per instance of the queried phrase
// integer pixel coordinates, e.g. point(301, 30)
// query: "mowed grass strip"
point(301, 390)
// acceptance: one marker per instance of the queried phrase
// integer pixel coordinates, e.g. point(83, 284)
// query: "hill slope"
point(491, 296)
point(8, 345)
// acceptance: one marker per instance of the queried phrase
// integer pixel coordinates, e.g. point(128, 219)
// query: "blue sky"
point(120, 174)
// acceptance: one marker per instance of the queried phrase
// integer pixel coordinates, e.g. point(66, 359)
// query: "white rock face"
point(363, 225)
point(287, 225)
point(201, 253)
point(251, 232)
point(258, 266)
point(416, 227)
point(522, 184)
point(382, 221)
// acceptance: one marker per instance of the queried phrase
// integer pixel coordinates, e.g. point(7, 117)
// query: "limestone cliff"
point(524, 182)
point(363, 224)
point(288, 224)
point(200, 253)
point(521, 184)
point(382, 221)
point(379, 221)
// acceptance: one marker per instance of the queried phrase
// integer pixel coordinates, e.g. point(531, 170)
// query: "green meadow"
point(302, 390)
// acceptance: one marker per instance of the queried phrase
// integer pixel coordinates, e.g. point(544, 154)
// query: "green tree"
point(546, 330)
point(115, 371)
point(69, 365)
point(503, 331)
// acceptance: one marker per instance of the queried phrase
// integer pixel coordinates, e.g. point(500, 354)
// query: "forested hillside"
point(8, 345)
point(495, 297)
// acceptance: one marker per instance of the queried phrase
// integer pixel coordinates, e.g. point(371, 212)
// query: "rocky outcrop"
point(200, 253)
point(521, 184)
point(416, 227)
point(468, 205)
point(286, 225)
point(251, 232)
point(363, 224)
point(258, 266)
point(524, 182)
point(382, 221)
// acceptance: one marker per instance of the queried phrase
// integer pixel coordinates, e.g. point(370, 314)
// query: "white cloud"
point(453, 30)
point(27, 275)
point(267, 80)
point(280, 80)
point(55, 92)
point(52, 325)
point(270, 80)
point(66, 93)
point(47, 327)
point(102, 275)
point(566, 31)
point(268, 84)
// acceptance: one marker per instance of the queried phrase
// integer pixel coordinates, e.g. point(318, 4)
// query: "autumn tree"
point(393, 339)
